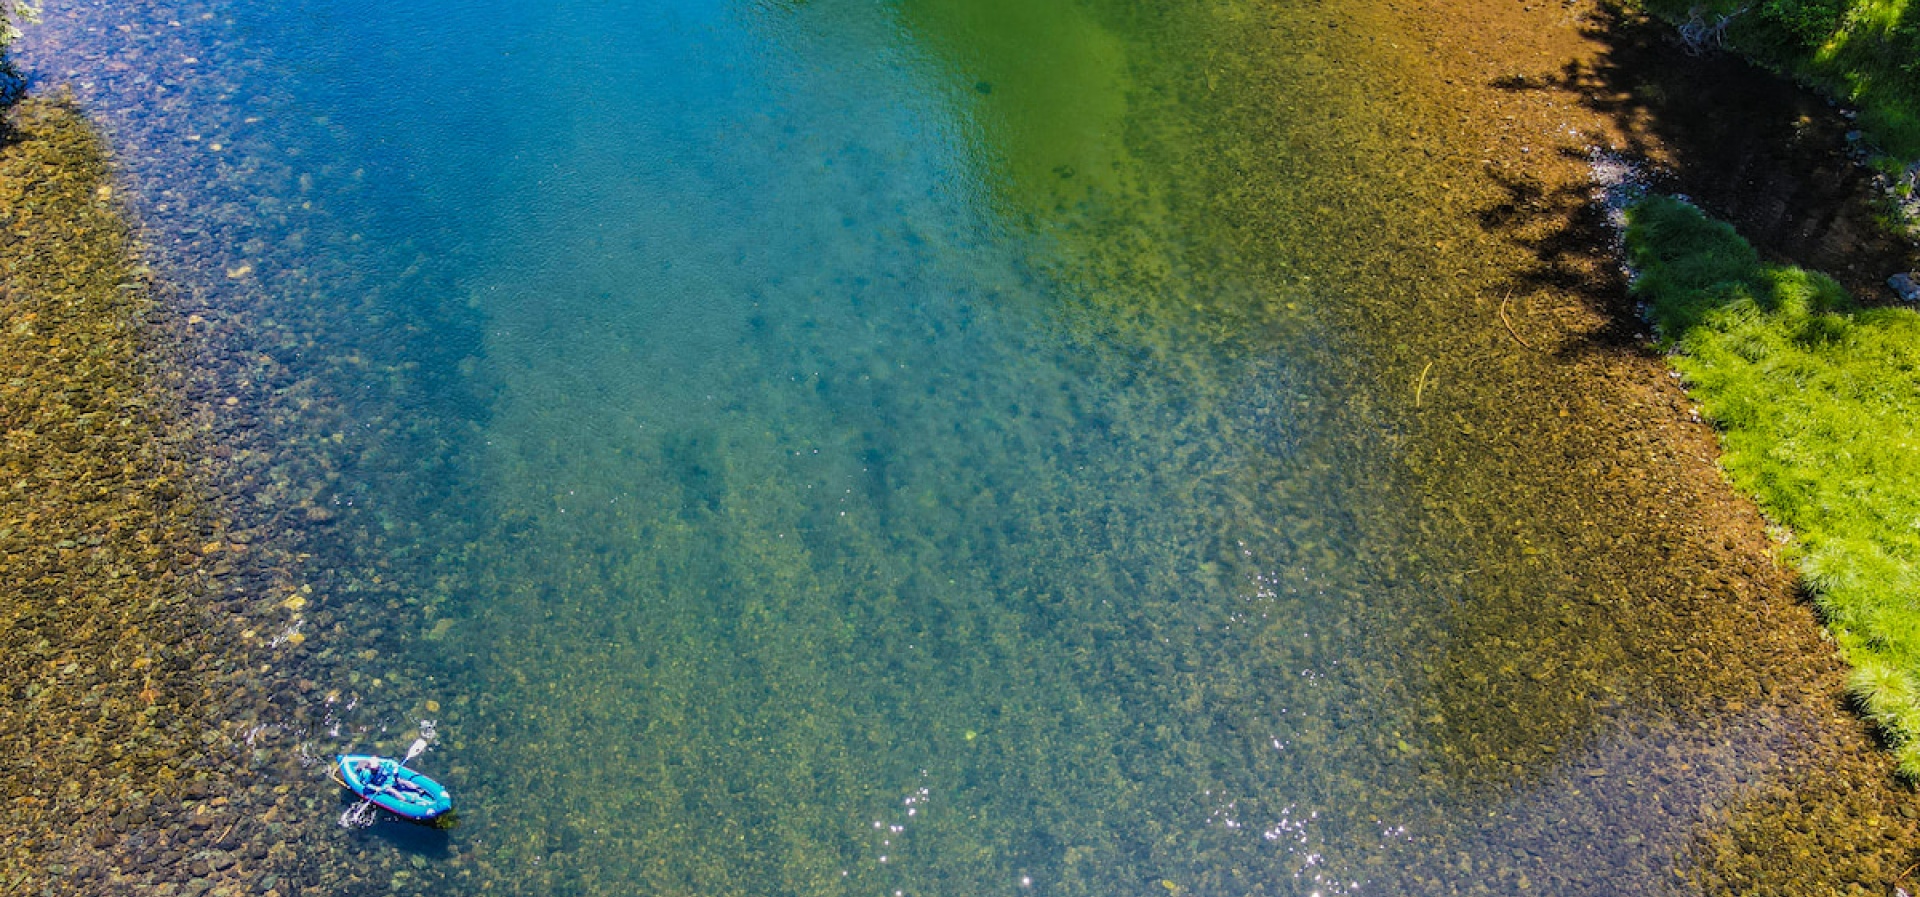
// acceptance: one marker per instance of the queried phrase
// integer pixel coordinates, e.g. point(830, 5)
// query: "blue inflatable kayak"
point(392, 787)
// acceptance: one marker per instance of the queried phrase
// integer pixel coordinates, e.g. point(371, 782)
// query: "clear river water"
point(933, 447)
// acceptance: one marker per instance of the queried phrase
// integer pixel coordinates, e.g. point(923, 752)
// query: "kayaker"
point(385, 778)
point(392, 786)
point(379, 777)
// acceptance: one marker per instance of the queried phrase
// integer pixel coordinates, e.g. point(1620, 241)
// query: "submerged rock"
point(1906, 285)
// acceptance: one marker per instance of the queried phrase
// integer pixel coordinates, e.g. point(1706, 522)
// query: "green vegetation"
point(1049, 85)
point(12, 14)
point(1864, 51)
point(1815, 398)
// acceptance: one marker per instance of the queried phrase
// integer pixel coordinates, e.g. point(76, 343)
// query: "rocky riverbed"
point(162, 646)
point(121, 729)
point(1538, 91)
point(192, 618)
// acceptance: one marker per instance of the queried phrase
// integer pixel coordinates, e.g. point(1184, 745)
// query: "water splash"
point(359, 815)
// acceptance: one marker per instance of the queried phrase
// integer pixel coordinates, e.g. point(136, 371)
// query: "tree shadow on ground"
point(1569, 237)
point(9, 134)
point(1747, 146)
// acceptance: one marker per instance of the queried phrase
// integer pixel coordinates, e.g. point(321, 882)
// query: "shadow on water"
point(1567, 235)
point(412, 839)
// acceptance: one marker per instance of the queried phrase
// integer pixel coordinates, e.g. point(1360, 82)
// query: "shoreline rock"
point(1906, 285)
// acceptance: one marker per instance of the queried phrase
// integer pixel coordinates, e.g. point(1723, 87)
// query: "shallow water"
point(941, 448)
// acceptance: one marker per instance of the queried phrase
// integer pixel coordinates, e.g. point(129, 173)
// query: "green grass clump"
point(1866, 52)
point(1818, 402)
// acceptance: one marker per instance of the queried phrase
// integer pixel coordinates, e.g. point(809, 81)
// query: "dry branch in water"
point(1699, 36)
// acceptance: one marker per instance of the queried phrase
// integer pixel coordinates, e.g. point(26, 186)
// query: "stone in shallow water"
point(1907, 285)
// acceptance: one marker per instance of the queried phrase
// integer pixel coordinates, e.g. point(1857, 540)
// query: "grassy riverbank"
point(1866, 52)
point(1815, 398)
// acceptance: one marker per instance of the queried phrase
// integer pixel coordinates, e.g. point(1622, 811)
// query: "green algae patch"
point(1048, 83)
point(1815, 398)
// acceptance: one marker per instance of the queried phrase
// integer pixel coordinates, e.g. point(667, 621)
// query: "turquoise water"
point(839, 546)
point(841, 448)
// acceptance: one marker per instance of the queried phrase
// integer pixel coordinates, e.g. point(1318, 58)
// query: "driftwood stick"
point(1902, 876)
point(1510, 331)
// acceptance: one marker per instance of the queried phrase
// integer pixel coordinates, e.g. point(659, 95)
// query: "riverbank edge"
point(127, 762)
point(1596, 96)
point(1734, 325)
point(1884, 671)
